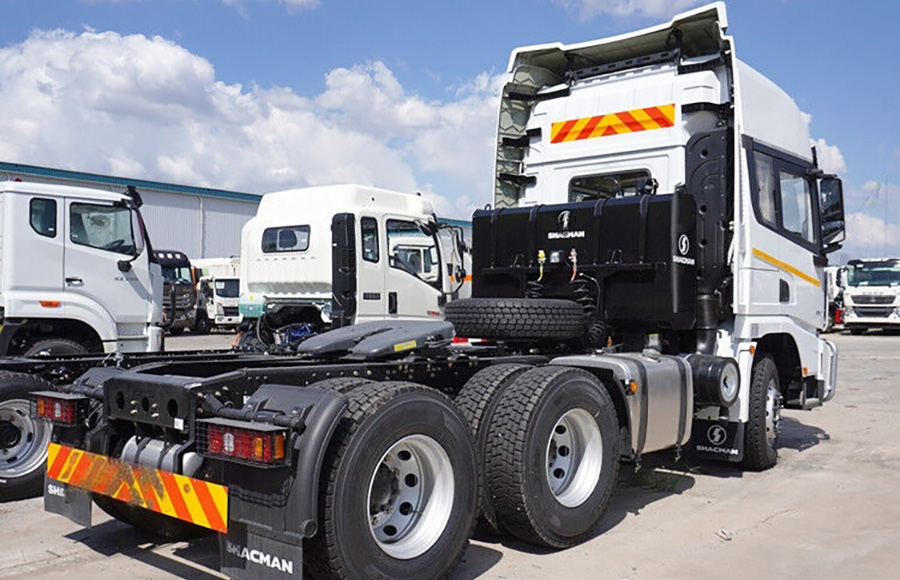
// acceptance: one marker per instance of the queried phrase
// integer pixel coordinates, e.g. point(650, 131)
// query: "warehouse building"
point(201, 222)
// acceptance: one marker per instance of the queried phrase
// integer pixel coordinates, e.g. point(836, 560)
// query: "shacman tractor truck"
point(871, 295)
point(292, 284)
point(650, 278)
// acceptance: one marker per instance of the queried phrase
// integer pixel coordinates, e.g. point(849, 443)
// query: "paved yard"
point(829, 510)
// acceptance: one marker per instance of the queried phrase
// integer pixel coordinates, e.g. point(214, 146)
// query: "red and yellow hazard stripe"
point(190, 500)
point(633, 121)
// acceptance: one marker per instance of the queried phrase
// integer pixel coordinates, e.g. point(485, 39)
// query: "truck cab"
point(320, 257)
point(676, 189)
point(870, 296)
point(76, 272)
point(179, 291)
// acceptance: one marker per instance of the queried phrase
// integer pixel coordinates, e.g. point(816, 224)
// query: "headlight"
point(220, 310)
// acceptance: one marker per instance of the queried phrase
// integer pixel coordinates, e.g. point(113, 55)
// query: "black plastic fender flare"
point(285, 499)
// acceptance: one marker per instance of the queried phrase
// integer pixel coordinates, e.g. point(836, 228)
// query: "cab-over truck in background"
point(651, 278)
point(293, 253)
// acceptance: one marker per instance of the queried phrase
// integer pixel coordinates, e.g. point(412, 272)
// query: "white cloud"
point(831, 160)
point(147, 108)
point(869, 237)
point(291, 5)
point(659, 9)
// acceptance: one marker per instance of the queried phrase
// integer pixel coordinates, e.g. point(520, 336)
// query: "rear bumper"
point(73, 475)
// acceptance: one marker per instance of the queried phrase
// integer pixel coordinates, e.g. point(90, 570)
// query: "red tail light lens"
point(243, 442)
point(60, 408)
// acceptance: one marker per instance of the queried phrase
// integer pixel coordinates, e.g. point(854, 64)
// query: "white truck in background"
point(871, 296)
point(74, 274)
point(77, 276)
point(329, 256)
point(218, 293)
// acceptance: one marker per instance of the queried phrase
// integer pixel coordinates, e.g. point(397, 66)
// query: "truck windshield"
point(227, 288)
point(874, 274)
point(179, 274)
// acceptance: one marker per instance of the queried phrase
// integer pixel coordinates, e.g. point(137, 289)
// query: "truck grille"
point(873, 299)
point(873, 311)
point(231, 310)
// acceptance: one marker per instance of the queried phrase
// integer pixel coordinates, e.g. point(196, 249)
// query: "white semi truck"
point(650, 278)
point(289, 266)
point(871, 294)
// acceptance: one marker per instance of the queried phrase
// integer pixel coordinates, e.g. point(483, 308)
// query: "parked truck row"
point(650, 277)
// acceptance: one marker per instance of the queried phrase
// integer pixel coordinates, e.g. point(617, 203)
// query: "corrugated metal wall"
point(202, 223)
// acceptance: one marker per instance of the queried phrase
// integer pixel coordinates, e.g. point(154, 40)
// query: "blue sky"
point(258, 95)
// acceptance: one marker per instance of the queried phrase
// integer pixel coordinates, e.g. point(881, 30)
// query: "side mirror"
point(124, 265)
point(831, 193)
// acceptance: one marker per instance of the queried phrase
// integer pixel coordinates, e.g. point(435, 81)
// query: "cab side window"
point(42, 214)
point(765, 188)
point(412, 251)
point(102, 226)
point(783, 197)
point(369, 228)
point(285, 239)
point(797, 206)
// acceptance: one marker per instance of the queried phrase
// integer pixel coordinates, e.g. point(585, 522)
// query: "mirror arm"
point(830, 248)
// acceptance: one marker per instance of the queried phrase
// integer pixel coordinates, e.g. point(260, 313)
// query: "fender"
point(282, 503)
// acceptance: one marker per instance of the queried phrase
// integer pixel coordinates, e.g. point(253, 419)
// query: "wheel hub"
point(574, 457)
point(23, 441)
point(10, 435)
point(410, 497)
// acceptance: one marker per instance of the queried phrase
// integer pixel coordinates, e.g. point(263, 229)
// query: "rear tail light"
point(59, 408)
point(242, 442)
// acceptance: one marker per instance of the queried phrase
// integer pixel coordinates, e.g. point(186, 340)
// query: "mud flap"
point(246, 555)
point(69, 501)
point(720, 440)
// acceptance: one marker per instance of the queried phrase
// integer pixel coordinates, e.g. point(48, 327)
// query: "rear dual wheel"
point(478, 401)
point(397, 493)
point(552, 456)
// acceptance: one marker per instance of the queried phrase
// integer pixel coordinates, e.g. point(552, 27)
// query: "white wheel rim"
point(23, 441)
point(773, 413)
point(574, 458)
point(410, 497)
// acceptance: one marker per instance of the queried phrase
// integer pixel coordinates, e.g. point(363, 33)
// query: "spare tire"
point(517, 318)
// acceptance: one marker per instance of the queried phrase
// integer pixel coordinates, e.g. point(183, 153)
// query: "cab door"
point(413, 285)
point(371, 302)
point(100, 235)
point(786, 273)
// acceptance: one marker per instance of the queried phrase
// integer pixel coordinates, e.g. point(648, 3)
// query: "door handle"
point(784, 292)
point(73, 281)
point(392, 303)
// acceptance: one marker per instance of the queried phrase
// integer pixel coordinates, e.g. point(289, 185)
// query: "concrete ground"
point(829, 510)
